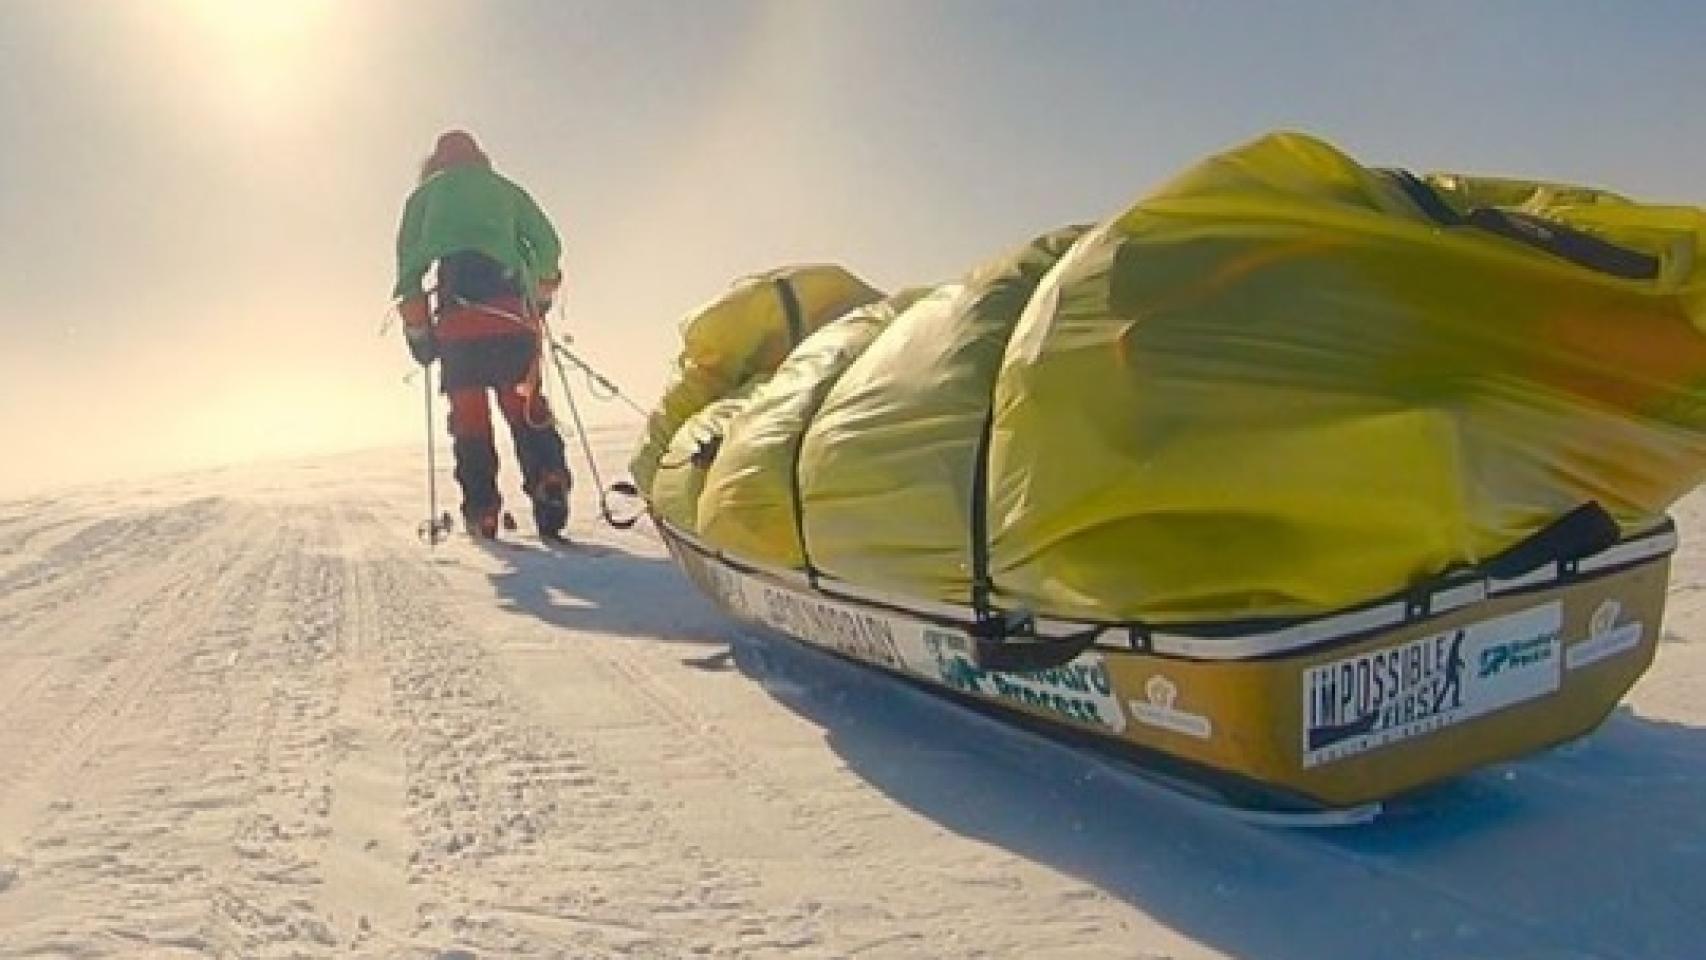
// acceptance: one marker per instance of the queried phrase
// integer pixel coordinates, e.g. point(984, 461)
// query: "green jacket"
point(472, 208)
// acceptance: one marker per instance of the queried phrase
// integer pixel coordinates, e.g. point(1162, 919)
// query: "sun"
point(260, 23)
point(264, 50)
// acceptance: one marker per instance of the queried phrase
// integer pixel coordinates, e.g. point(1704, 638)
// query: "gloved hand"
point(417, 329)
point(545, 292)
point(423, 346)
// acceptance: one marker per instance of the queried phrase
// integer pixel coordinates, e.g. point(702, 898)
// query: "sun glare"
point(265, 49)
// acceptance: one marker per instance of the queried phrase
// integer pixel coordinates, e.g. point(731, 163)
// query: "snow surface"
point(247, 713)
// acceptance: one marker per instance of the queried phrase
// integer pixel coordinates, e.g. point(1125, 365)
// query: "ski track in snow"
point(247, 714)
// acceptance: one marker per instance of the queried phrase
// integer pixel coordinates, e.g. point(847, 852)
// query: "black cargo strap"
point(981, 584)
point(1424, 197)
point(1582, 532)
point(1548, 236)
point(1011, 645)
point(1006, 641)
point(799, 502)
point(1579, 247)
point(796, 333)
point(791, 309)
point(1003, 641)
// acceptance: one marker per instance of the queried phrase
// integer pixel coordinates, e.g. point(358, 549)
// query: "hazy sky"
point(198, 198)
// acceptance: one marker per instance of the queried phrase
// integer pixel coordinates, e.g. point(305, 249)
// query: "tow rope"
point(559, 355)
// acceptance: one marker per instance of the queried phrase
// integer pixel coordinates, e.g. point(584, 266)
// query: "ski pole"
point(625, 488)
point(432, 529)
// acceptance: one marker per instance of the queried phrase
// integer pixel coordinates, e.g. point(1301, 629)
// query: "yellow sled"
point(1311, 481)
point(1315, 714)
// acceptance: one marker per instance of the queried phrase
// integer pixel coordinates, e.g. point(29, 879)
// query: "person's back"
point(472, 208)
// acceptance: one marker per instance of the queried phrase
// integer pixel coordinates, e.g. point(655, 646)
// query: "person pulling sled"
point(497, 259)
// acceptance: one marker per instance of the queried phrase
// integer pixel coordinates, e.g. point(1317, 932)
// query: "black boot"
point(550, 495)
point(477, 473)
point(545, 477)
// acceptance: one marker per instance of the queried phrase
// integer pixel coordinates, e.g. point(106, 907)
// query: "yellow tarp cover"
point(748, 503)
point(681, 469)
point(914, 406)
point(1282, 384)
point(740, 335)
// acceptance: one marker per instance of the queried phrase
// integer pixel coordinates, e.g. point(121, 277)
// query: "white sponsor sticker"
point(1605, 638)
point(841, 627)
point(1159, 711)
point(724, 586)
point(1081, 691)
point(1394, 693)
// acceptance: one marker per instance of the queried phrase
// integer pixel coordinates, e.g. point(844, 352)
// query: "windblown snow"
point(248, 713)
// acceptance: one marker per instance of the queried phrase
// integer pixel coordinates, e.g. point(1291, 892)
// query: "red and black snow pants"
point(489, 349)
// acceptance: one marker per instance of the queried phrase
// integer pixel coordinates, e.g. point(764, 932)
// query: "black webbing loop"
point(982, 587)
point(1579, 247)
point(1582, 532)
point(1424, 197)
point(799, 501)
point(791, 309)
point(796, 333)
point(1014, 647)
point(1548, 236)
